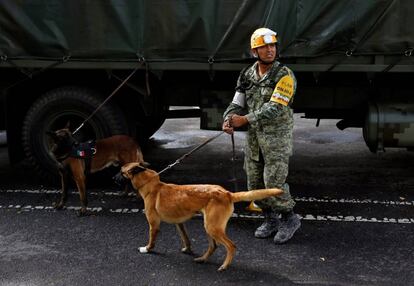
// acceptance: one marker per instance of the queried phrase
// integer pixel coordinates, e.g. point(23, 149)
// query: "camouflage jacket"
point(267, 102)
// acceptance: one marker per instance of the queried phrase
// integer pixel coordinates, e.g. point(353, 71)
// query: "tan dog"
point(112, 151)
point(178, 203)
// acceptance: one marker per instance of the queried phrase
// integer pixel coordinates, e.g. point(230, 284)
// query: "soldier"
point(262, 101)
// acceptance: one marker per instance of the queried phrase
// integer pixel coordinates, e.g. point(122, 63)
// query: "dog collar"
point(147, 181)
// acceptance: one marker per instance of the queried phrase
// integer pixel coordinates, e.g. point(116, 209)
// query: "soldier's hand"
point(238, 120)
point(227, 127)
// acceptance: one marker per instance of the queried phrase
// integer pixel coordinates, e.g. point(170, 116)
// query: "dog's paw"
point(200, 259)
point(186, 250)
point(221, 268)
point(57, 206)
point(143, 249)
point(82, 213)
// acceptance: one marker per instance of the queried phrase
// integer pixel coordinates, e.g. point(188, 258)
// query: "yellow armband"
point(284, 90)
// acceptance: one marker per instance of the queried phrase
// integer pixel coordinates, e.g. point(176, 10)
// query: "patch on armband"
point(283, 91)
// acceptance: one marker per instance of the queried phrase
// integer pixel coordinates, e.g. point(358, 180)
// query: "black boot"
point(289, 224)
point(269, 226)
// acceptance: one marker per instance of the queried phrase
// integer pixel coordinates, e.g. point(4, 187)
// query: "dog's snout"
point(119, 179)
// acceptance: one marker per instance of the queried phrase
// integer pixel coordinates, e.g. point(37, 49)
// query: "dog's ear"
point(145, 164)
point(67, 125)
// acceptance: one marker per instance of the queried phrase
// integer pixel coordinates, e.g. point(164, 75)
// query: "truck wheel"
point(54, 110)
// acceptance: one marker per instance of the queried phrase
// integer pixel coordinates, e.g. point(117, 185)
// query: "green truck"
point(59, 60)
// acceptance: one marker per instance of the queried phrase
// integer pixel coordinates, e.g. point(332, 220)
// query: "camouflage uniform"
point(269, 137)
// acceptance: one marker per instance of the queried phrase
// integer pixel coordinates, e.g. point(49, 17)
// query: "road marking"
point(309, 217)
point(297, 199)
point(56, 191)
point(353, 201)
point(340, 218)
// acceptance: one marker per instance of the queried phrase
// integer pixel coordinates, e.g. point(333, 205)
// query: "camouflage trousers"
point(270, 172)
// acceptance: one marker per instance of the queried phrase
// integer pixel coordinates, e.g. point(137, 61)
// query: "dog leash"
point(189, 153)
point(181, 158)
point(108, 98)
point(233, 158)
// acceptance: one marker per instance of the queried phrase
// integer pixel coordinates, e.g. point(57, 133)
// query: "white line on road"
point(309, 217)
point(353, 201)
point(401, 202)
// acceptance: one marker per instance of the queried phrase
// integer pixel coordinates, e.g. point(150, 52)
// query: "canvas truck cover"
point(201, 30)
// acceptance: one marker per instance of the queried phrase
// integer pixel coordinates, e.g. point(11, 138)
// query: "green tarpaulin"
point(198, 30)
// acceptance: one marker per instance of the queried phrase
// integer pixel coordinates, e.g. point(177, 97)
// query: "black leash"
point(233, 159)
point(181, 158)
point(189, 153)
point(108, 98)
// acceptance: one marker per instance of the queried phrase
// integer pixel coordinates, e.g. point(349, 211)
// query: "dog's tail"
point(255, 195)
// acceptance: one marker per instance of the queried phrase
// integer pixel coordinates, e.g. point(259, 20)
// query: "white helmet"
point(262, 37)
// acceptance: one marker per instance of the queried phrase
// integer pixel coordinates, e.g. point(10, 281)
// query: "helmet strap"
point(256, 55)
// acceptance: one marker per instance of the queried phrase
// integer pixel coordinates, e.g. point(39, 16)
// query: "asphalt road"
point(356, 207)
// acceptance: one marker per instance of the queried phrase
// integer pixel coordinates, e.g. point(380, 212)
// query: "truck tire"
point(54, 110)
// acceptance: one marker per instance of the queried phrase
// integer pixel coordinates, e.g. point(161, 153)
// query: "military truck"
point(60, 60)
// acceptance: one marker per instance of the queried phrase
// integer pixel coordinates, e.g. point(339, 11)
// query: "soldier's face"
point(267, 53)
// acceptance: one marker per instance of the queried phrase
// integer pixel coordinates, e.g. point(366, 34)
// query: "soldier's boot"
point(270, 225)
point(289, 224)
